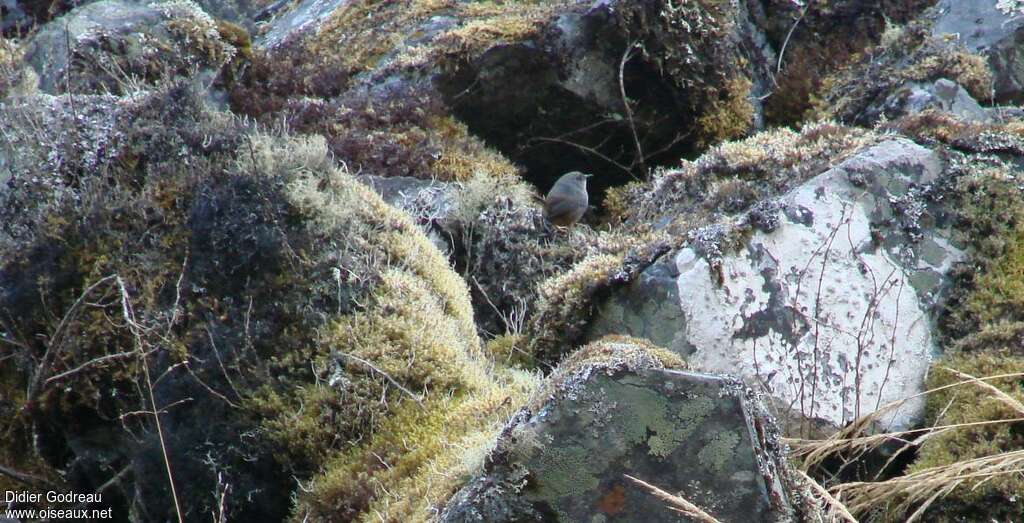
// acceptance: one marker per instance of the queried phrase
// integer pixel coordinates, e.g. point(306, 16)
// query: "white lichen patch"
point(819, 311)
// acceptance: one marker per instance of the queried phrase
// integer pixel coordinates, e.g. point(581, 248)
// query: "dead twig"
point(57, 339)
point(27, 479)
point(387, 376)
point(782, 51)
point(626, 55)
point(676, 503)
point(624, 168)
point(129, 318)
point(830, 500)
point(94, 361)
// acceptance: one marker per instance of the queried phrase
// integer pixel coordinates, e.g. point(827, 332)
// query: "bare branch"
point(629, 110)
point(129, 318)
point(56, 339)
point(27, 479)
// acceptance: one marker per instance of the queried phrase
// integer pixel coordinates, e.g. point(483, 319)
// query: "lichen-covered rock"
point(658, 216)
point(833, 310)
point(995, 33)
point(113, 46)
point(616, 407)
point(942, 95)
point(828, 301)
point(886, 82)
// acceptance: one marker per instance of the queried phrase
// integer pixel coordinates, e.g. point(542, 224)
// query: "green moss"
point(983, 333)
point(609, 352)
point(728, 117)
point(405, 371)
point(984, 306)
point(417, 457)
point(766, 164)
point(565, 305)
point(237, 36)
point(291, 306)
point(999, 292)
point(995, 497)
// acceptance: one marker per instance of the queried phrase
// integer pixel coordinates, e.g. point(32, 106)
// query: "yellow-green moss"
point(200, 33)
point(464, 156)
point(967, 69)
point(412, 401)
point(996, 497)
point(612, 351)
point(985, 305)
point(911, 55)
point(564, 304)
point(728, 117)
point(368, 31)
point(616, 201)
point(999, 292)
point(510, 350)
point(417, 458)
point(237, 36)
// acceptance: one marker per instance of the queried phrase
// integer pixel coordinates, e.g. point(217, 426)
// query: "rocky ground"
point(286, 260)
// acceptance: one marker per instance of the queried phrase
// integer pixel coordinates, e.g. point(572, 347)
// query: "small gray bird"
point(567, 200)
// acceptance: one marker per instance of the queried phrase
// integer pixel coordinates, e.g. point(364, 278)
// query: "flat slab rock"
point(696, 435)
point(831, 311)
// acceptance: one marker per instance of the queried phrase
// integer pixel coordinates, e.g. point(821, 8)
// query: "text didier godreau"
point(52, 496)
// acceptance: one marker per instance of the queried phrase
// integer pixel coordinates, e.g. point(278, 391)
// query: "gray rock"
point(304, 18)
point(110, 44)
point(832, 311)
point(701, 436)
point(505, 82)
point(943, 95)
point(985, 30)
point(648, 308)
point(428, 202)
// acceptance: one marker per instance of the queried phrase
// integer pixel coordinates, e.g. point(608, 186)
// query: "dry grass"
point(926, 486)
point(676, 503)
point(911, 493)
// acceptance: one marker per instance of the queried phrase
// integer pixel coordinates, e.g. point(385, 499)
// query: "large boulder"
point(287, 324)
point(617, 408)
point(657, 217)
point(115, 45)
point(828, 302)
point(543, 83)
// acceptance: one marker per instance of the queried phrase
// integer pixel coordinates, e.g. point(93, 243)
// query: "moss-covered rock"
point(812, 49)
point(505, 68)
point(988, 431)
point(613, 408)
point(118, 47)
point(293, 324)
point(668, 212)
point(874, 87)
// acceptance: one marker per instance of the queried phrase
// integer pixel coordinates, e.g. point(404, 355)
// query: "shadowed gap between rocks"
point(514, 99)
